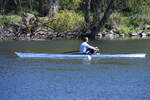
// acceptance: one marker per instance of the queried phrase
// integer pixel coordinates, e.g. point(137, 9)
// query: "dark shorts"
point(90, 51)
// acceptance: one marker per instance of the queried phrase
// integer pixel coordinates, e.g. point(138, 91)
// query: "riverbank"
point(30, 27)
point(7, 34)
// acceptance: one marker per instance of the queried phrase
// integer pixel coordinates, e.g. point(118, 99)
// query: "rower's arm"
point(91, 47)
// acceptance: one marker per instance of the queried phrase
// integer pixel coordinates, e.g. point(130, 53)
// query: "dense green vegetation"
point(128, 17)
point(67, 20)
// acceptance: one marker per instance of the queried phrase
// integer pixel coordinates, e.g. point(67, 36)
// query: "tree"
point(41, 8)
point(3, 6)
point(87, 11)
point(102, 9)
point(8, 6)
point(48, 7)
point(31, 3)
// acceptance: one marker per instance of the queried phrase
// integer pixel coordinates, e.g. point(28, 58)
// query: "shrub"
point(67, 21)
point(16, 18)
point(124, 31)
point(117, 20)
point(4, 20)
point(134, 22)
point(69, 4)
point(145, 19)
point(136, 7)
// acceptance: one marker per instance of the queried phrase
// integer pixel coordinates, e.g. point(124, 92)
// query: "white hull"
point(79, 56)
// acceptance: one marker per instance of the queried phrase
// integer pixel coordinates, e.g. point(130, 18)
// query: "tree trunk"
point(100, 22)
point(87, 10)
point(31, 8)
point(107, 14)
point(41, 8)
point(3, 6)
point(20, 6)
point(97, 10)
point(48, 7)
point(52, 7)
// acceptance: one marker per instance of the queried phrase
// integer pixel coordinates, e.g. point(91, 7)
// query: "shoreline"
point(41, 35)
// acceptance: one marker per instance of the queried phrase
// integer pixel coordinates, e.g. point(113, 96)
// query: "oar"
point(75, 51)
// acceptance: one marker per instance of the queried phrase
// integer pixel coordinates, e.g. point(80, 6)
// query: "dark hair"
point(85, 39)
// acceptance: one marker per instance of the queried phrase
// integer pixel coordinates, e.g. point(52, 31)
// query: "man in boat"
point(85, 48)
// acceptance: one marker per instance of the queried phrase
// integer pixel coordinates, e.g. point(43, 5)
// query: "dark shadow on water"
point(62, 69)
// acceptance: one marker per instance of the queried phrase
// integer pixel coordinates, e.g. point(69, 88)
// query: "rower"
point(85, 48)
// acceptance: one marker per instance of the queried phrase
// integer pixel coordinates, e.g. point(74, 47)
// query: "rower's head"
point(85, 39)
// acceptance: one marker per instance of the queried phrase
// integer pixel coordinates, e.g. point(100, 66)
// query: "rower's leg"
point(90, 51)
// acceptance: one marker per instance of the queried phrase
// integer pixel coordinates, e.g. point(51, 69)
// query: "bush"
point(125, 31)
point(67, 21)
point(69, 4)
point(136, 7)
point(134, 22)
point(145, 19)
point(4, 20)
point(27, 10)
point(117, 21)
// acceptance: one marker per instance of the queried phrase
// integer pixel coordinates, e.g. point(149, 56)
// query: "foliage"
point(134, 22)
point(27, 10)
point(125, 31)
point(5, 20)
point(70, 4)
point(131, 15)
point(14, 6)
point(66, 21)
point(126, 24)
point(145, 19)
point(137, 7)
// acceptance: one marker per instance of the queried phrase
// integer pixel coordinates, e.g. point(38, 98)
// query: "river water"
point(74, 79)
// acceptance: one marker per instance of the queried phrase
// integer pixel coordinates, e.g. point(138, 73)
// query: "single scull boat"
point(78, 56)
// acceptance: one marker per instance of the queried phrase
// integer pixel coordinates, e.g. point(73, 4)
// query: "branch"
point(107, 14)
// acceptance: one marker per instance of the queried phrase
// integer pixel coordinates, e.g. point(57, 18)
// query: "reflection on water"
point(69, 79)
